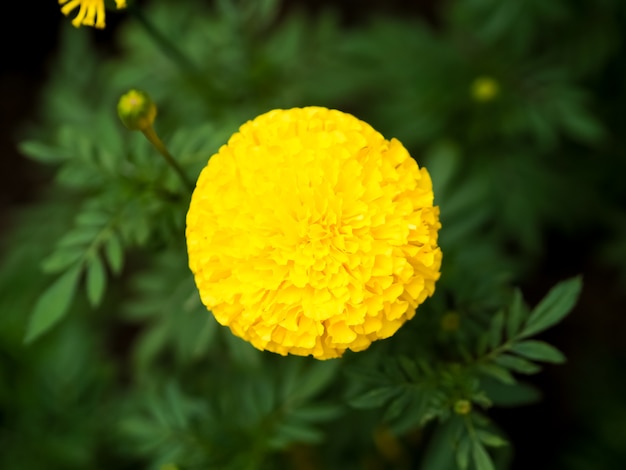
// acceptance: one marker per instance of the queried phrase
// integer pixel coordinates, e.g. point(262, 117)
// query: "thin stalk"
point(158, 144)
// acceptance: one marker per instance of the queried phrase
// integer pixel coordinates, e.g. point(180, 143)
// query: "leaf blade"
point(53, 304)
point(538, 351)
point(96, 281)
point(557, 303)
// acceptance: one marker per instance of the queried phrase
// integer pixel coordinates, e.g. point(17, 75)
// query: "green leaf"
point(490, 440)
point(554, 306)
point(315, 378)
point(399, 404)
point(483, 343)
point(517, 364)
point(442, 163)
point(505, 395)
point(298, 432)
point(81, 236)
point(42, 152)
point(61, 259)
point(482, 461)
point(316, 412)
point(53, 304)
point(96, 281)
point(463, 452)
point(499, 373)
point(495, 330)
point(373, 398)
point(114, 253)
point(414, 413)
point(92, 218)
point(410, 368)
point(517, 314)
point(538, 351)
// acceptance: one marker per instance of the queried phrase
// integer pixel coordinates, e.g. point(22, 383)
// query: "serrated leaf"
point(114, 253)
point(516, 315)
point(538, 351)
point(463, 453)
point(517, 364)
point(481, 458)
point(53, 304)
point(495, 330)
point(96, 280)
point(554, 306)
point(490, 440)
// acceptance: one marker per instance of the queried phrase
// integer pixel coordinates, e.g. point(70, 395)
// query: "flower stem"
point(158, 144)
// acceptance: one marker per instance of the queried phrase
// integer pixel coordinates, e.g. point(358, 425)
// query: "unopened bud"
point(462, 407)
point(485, 89)
point(136, 110)
point(450, 321)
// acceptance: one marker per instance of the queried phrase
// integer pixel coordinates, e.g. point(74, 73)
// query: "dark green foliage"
point(125, 368)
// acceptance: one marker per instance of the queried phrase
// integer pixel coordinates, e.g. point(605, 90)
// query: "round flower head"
point(309, 233)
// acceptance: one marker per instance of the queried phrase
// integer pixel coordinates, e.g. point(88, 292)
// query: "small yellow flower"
point(91, 12)
point(309, 233)
point(485, 89)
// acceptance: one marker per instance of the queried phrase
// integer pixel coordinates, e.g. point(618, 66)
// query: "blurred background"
point(532, 89)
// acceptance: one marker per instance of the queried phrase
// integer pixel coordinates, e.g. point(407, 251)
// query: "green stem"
point(160, 146)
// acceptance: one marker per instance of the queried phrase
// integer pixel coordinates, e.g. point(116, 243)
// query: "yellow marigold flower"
point(91, 12)
point(309, 233)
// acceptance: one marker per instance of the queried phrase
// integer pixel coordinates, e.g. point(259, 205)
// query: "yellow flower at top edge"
point(91, 12)
point(309, 233)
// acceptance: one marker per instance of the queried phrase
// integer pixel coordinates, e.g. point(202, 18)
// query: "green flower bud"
point(463, 407)
point(485, 89)
point(450, 321)
point(136, 110)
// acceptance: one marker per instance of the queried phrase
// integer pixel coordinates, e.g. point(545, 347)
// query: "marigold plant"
point(309, 233)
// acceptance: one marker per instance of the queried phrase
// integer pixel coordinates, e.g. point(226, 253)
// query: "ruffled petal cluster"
point(309, 233)
point(90, 13)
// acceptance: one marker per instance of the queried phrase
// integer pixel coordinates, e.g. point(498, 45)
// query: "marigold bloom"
point(91, 12)
point(309, 233)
